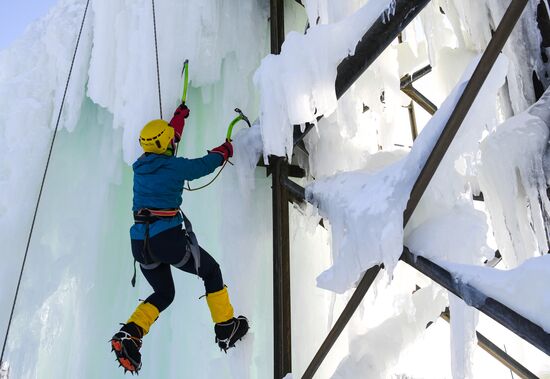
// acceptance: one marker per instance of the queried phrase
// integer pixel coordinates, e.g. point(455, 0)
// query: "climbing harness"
point(241, 117)
point(149, 216)
point(43, 181)
point(157, 56)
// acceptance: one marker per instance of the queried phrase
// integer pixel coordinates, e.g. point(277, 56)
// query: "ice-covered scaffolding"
point(354, 234)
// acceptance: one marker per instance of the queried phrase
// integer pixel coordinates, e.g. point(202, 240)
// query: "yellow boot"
point(220, 306)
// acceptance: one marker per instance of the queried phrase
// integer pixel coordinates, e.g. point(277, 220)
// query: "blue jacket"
point(158, 183)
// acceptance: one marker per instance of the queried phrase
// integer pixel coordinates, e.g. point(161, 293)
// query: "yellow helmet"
point(155, 137)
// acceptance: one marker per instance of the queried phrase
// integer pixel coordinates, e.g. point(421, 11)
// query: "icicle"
point(5, 370)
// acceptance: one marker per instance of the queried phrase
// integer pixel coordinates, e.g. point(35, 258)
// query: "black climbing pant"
point(169, 248)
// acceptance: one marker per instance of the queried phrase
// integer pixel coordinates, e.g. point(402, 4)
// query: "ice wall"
point(30, 93)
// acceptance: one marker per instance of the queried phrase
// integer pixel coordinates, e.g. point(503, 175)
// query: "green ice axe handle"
point(240, 117)
point(231, 125)
point(185, 73)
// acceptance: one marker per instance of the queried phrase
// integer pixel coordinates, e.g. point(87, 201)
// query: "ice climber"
point(159, 241)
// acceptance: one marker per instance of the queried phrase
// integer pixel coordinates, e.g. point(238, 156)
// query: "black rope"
point(157, 55)
point(42, 184)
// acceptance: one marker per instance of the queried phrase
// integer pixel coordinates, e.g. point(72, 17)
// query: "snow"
point(391, 337)
point(522, 289)
point(366, 209)
point(76, 282)
point(247, 144)
point(297, 85)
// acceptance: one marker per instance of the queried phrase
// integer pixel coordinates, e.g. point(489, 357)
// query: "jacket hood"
point(149, 163)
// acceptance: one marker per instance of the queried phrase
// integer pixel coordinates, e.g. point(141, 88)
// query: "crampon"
point(231, 331)
point(126, 348)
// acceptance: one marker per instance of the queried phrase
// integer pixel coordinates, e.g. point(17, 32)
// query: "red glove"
point(225, 150)
point(178, 121)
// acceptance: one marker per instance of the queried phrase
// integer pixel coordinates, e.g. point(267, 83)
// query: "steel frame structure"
point(373, 43)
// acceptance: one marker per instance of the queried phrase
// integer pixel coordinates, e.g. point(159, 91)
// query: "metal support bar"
point(277, 25)
point(294, 171)
point(420, 99)
point(281, 270)
point(412, 121)
point(499, 312)
point(295, 190)
point(347, 313)
point(407, 80)
point(282, 349)
point(479, 76)
point(497, 353)
point(374, 42)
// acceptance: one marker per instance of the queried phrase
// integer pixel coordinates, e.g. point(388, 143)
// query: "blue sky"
point(16, 15)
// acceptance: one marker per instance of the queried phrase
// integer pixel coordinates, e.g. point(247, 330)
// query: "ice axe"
point(185, 74)
point(241, 117)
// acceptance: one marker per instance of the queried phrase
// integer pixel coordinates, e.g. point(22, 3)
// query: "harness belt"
point(149, 216)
